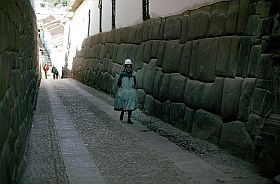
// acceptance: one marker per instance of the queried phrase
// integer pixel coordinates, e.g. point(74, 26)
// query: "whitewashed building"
point(89, 17)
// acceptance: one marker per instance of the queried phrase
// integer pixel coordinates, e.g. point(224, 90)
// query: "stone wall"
point(206, 71)
point(18, 83)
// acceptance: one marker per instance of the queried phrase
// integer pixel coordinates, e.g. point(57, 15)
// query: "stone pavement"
point(77, 138)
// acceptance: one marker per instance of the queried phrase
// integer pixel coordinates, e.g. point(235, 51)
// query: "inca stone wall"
point(18, 83)
point(207, 71)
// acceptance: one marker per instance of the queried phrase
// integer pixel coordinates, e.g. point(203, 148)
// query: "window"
point(113, 14)
point(88, 22)
point(100, 15)
point(146, 13)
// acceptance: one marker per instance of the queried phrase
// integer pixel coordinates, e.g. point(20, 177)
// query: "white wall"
point(163, 8)
point(94, 22)
point(78, 29)
point(128, 12)
point(106, 15)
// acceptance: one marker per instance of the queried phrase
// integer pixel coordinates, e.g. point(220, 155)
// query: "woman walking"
point(126, 97)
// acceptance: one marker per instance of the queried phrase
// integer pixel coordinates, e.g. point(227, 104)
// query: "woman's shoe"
point(129, 121)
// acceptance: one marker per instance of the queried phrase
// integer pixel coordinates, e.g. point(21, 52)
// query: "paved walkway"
point(77, 138)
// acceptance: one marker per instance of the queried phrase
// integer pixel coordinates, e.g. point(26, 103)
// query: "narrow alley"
point(77, 137)
point(199, 81)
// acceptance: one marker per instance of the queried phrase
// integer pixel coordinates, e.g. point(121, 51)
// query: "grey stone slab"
point(232, 17)
point(207, 126)
point(172, 57)
point(176, 87)
point(218, 19)
point(198, 23)
point(236, 139)
point(172, 27)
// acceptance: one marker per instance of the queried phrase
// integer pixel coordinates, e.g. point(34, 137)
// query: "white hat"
point(127, 62)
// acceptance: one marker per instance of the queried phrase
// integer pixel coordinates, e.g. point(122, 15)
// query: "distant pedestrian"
point(126, 97)
point(55, 72)
point(46, 68)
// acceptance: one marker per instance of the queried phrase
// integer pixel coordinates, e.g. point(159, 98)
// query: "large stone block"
point(232, 17)
point(255, 125)
point(193, 94)
point(133, 54)
point(124, 34)
point(139, 34)
point(121, 53)
point(235, 139)
point(147, 51)
point(263, 8)
point(4, 124)
point(126, 52)
point(104, 37)
point(161, 51)
point(110, 83)
point(243, 56)
point(157, 83)
point(4, 165)
point(254, 25)
point(3, 24)
point(233, 57)
point(186, 59)
point(158, 109)
point(218, 19)
point(115, 87)
point(5, 73)
point(116, 69)
point(146, 29)
point(164, 86)
point(247, 91)
point(253, 60)
point(115, 48)
point(262, 102)
point(173, 27)
point(154, 49)
point(198, 23)
point(230, 99)
point(212, 95)
point(140, 76)
point(141, 98)
point(14, 82)
point(132, 34)
point(265, 67)
point(264, 84)
point(266, 26)
point(118, 36)
point(149, 77)
point(206, 64)
point(176, 87)
point(243, 16)
point(157, 29)
point(185, 19)
point(139, 57)
point(188, 119)
point(149, 105)
point(194, 58)
point(111, 36)
point(207, 126)
point(172, 57)
point(223, 56)
point(166, 111)
point(177, 111)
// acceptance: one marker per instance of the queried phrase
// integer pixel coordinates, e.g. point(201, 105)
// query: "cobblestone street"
point(77, 138)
